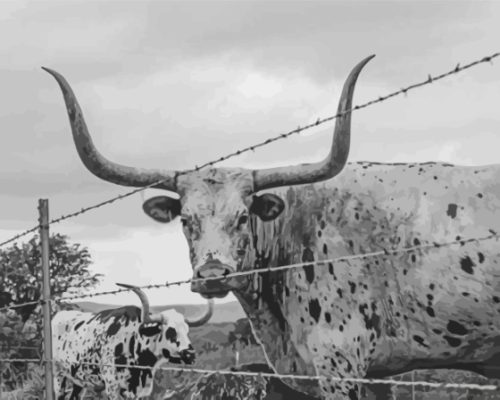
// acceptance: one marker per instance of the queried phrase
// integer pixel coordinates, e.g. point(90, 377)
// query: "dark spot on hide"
point(453, 342)
point(353, 395)
point(420, 340)
point(118, 349)
point(113, 328)
point(138, 376)
point(131, 345)
point(466, 264)
point(325, 249)
point(79, 324)
point(430, 311)
point(496, 299)
point(352, 285)
point(330, 268)
point(456, 328)
point(328, 317)
point(308, 255)
point(452, 210)
point(314, 309)
point(150, 330)
point(171, 335)
point(480, 257)
point(372, 322)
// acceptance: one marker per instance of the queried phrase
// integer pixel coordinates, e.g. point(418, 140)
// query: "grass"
point(215, 353)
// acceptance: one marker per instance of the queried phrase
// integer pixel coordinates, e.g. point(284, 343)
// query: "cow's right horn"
point(146, 317)
point(95, 161)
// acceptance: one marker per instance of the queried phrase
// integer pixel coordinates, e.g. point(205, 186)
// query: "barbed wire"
point(369, 381)
point(383, 252)
point(20, 235)
point(289, 266)
point(430, 79)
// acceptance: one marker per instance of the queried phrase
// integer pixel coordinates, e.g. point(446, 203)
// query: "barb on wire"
point(384, 252)
point(319, 121)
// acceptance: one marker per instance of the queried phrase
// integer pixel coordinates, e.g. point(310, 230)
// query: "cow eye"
point(184, 221)
point(243, 219)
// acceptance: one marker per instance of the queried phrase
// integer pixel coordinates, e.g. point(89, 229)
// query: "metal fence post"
point(43, 208)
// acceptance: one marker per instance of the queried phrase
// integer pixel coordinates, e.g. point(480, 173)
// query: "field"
point(216, 345)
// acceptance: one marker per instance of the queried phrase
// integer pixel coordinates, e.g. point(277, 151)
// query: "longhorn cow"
point(434, 307)
point(88, 345)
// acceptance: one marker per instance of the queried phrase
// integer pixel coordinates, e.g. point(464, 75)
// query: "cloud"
point(174, 84)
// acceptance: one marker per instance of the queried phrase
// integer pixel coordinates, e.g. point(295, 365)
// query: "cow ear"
point(162, 208)
point(267, 206)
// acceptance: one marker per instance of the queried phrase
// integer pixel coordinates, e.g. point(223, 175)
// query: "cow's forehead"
point(217, 190)
point(215, 180)
point(173, 317)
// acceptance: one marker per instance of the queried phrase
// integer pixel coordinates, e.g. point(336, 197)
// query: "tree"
point(20, 282)
point(21, 275)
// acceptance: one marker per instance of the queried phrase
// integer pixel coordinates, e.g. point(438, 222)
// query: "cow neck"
point(264, 301)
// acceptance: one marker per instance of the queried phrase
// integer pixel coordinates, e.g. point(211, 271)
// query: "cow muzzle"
point(219, 286)
point(187, 356)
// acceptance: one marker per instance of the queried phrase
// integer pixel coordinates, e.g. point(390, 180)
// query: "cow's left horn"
point(146, 318)
point(339, 151)
point(95, 161)
point(204, 319)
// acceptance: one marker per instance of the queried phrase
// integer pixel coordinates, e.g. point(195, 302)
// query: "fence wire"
point(367, 381)
point(430, 79)
point(352, 257)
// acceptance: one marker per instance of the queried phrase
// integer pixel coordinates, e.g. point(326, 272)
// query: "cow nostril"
point(187, 356)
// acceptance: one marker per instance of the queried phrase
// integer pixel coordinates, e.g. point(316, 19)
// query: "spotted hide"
point(434, 307)
point(88, 346)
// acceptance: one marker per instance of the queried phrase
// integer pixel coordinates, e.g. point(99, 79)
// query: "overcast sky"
point(172, 85)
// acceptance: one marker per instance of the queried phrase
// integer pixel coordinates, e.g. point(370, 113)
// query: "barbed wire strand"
point(435, 385)
point(430, 79)
point(384, 252)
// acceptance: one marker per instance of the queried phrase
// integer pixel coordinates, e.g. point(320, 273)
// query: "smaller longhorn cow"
point(89, 346)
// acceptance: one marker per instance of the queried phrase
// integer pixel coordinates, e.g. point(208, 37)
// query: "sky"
point(175, 84)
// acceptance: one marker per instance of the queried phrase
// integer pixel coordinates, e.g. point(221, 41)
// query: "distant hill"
point(224, 312)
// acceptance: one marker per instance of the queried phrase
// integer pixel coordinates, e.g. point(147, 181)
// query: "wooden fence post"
point(43, 208)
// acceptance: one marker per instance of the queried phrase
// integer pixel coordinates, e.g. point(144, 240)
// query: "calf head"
point(218, 206)
point(168, 330)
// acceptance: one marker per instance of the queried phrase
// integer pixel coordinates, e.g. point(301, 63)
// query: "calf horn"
point(95, 161)
point(204, 319)
point(146, 317)
point(336, 159)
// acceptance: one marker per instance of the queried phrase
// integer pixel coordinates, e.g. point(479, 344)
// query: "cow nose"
point(219, 270)
point(187, 356)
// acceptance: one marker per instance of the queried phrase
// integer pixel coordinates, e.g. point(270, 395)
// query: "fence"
point(46, 298)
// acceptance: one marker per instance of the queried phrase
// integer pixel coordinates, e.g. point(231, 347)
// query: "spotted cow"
point(434, 307)
point(89, 346)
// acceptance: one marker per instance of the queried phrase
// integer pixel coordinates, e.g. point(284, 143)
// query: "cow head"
point(217, 206)
point(168, 329)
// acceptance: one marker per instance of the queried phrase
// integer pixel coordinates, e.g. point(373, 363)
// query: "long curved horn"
point(146, 318)
point(94, 161)
point(204, 319)
point(333, 163)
